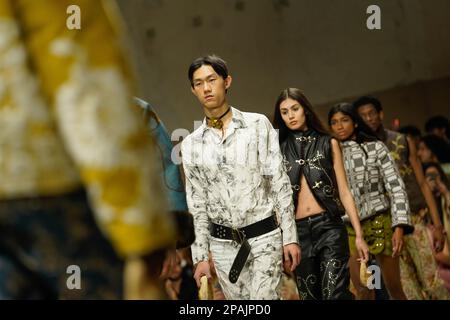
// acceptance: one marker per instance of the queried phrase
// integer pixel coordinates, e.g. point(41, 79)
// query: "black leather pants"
point(323, 272)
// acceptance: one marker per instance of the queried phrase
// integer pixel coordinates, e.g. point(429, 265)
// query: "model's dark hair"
point(410, 130)
point(312, 120)
point(362, 101)
point(438, 167)
point(438, 122)
point(218, 64)
point(438, 146)
point(362, 131)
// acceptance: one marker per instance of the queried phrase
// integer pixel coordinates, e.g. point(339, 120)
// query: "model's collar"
point(348, 142)
point(301, 136)
point(237, 119)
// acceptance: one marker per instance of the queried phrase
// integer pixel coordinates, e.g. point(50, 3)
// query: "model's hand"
point(397, 242)
point(292, 255)
point(202, 269)
point(363, 249)
point(438, 239)
point(169, 263)
point(174, 279)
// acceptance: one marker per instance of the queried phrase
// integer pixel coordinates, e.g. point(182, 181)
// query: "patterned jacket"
point(375, 182)
point(236, 180)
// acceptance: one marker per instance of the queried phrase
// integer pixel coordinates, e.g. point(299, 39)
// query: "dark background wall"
point(320, 46)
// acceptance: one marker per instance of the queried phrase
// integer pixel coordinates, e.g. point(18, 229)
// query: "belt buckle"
point(237, 235)
point(311, 219)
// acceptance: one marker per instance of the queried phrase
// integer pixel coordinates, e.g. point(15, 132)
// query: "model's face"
point(342, 126)
point(209, 87)
point(293, 114)
point(371, 116)
point(433, 179)
point(424, 154)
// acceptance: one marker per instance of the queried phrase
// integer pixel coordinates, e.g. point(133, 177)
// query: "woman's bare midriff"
point(307, 204)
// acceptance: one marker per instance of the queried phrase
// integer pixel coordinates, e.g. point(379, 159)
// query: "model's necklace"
point(217, 122)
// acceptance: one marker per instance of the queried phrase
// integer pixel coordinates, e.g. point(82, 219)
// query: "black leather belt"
point(318, 217)
point(241, 235)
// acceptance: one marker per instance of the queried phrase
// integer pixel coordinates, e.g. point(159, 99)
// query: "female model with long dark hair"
point(313, 161)
point(380, 197)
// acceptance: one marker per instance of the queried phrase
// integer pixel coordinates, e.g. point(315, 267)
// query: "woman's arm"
point(438, 235)
point(347, 199)
point(344, 191)
point(395, 187)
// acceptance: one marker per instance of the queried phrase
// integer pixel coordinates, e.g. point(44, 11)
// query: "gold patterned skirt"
point(377, 234)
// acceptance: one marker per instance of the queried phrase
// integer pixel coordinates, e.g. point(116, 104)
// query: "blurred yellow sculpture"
point(67, 123)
